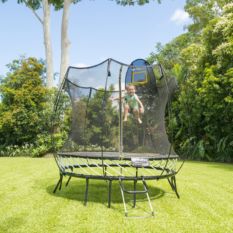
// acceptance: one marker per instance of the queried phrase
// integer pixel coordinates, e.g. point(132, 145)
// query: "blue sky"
point(98, 30)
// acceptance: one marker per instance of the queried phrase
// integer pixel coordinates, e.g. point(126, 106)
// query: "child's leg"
point(126, 111)
point(141, 110)
point(136, 113)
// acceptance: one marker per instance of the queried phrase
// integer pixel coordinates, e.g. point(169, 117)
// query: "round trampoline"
point(114, 116)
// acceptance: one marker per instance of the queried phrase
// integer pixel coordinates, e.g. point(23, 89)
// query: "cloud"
point(80, 65)
point(180, 16)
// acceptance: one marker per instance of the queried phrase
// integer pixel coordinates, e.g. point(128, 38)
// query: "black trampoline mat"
point(116, 155)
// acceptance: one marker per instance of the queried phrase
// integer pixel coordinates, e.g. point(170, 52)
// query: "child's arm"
point(117, 98)
point(139, 102)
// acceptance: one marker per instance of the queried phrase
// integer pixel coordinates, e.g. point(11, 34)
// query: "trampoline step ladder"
point(134, 193)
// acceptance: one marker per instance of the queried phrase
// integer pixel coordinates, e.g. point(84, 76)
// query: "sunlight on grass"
point(27, 203)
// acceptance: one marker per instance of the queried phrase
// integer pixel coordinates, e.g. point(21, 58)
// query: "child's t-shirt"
point(131, 101)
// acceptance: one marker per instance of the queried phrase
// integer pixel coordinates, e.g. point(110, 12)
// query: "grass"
point(27, 203)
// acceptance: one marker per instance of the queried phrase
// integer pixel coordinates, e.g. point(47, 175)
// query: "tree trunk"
point(65, 43)
point(48, 44)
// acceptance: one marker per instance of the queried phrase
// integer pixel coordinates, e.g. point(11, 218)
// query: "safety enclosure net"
point(114, 116)
point(116, 110)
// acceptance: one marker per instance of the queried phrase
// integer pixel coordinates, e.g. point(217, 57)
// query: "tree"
point(202, 11)
point(169, 55)
point(65, 43)
point(202, 113)
point(23, 105)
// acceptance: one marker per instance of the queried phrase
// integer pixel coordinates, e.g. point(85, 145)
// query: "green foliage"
point(95, 121)
point(102, 120)
point(40, 147)
point(169, 55)
point(25, 110)
point(23, 103)
point(203, 110)
point(59, 4)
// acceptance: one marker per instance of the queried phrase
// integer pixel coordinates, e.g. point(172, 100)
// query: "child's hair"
point(127, 87)
point(131, 85)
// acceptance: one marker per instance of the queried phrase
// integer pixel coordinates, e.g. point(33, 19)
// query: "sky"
point(98, 30)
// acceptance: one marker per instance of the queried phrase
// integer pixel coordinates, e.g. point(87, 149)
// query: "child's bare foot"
point(125, 119)
point(139, 121)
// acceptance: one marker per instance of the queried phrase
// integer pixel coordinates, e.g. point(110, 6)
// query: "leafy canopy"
point(23, 102)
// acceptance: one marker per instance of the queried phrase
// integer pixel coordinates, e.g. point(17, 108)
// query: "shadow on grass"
point(98, 191)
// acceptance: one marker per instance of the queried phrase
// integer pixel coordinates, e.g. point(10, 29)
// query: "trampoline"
point(110, 138)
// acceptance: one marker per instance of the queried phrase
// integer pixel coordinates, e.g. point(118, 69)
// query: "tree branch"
point(37, 16)
point(33, 11)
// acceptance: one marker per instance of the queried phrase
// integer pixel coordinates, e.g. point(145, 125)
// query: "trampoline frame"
point(69, 170)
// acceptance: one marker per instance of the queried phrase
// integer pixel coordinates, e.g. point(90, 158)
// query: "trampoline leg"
point(61, 183)
point(86, 192)
point(109, 193)
point(175, 187)
point(172, 183)
point(68, 181)
point(55, 189)
point(134, 195)
point(58, 184)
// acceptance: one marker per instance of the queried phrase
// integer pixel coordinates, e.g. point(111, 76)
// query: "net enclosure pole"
point(104, 100)
point(120, 116)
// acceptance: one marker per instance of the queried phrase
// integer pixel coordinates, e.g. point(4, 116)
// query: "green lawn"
point(27, 203)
